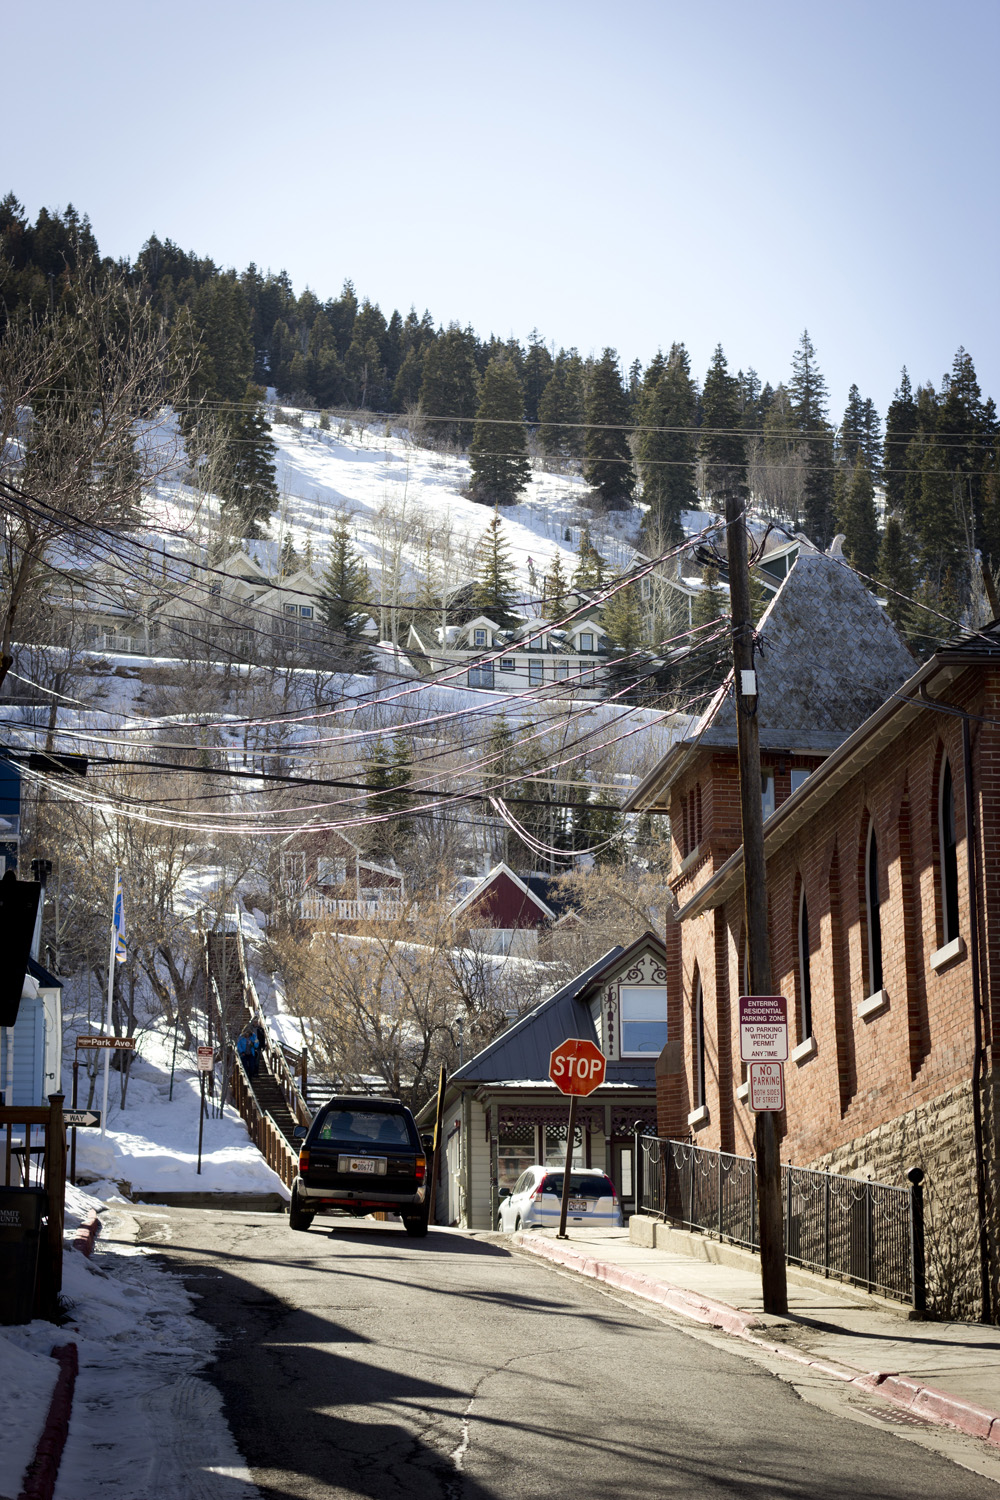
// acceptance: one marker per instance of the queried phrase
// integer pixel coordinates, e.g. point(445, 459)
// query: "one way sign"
point(81, 1117)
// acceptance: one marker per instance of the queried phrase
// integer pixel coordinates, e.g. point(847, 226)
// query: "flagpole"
point(107, 1019)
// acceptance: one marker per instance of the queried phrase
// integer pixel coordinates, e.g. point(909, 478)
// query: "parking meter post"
point(201, 1118)
point(568, 1168)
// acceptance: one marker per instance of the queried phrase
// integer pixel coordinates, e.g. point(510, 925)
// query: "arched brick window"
point(873, 912)
point(805, 973)
point(948, 852)
point(698, 1043)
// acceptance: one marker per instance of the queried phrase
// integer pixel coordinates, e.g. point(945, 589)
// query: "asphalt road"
point(354, 1361)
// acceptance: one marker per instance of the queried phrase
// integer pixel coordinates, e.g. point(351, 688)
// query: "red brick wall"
point(864, 1072)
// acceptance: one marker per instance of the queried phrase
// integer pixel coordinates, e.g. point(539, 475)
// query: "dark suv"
point(360, 1156)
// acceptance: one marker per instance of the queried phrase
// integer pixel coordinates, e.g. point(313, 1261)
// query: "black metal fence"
point(859, 1231)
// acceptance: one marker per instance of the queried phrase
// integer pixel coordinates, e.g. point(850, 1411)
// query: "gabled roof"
point(42, 977)
point(828, 656)
point(481, 887)
point(522, 1052)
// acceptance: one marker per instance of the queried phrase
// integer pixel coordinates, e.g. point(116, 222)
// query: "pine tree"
point(245, 467)
point(495, 591)
point(591, 569)
point(499, 449)
point(940, 531)
point(388, 771)
point(607, 456)
point(347, 588)
point(856, 518)
point(599, 825)
point(622, 618)
point(900, 429)
point(931, 618)
point(556, 589)
point(665, 444)
point(709, 659)
point(895, 569)
point(450, 384)
point(809, 404)
point(536, 374)
point(561, 408)
point(723, 450)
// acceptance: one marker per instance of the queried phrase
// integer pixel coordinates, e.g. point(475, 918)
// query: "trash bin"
point(21, 1213)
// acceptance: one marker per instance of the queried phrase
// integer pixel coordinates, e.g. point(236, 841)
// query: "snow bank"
point(153, 1143)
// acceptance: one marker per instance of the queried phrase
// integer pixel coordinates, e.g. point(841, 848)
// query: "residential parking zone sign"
point(763, 1028)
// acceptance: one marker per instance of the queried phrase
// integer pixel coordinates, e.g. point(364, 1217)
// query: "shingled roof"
point(828, 657)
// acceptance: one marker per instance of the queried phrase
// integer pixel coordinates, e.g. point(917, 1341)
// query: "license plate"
point(373, 1165)
point(577, 1205)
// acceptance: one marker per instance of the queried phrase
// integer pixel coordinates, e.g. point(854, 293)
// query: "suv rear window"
point(580, 1185)
point(365, 1127)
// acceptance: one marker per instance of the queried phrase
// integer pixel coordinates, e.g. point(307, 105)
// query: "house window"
point(799, 775)
point(587, 641)
point(805, 976)
point(215, 590)
point(555, 1146)
point(536, 673)
point(293, 870)
point(873, 906)
point(515, 1152)
point(562, 669)
point(291, 609)
point(508, 664)
point(481, 677)
point(949, 854)
point(766, 793)
point(331, 871)
point(306, 612)
point(480, 637)
point(644, 1019)
point(698, 1041)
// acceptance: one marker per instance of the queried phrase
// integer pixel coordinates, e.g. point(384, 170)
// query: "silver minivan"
point(535, 1200)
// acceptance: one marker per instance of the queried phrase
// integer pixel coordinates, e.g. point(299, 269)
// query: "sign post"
point(576, 1067)
point(206, 1062)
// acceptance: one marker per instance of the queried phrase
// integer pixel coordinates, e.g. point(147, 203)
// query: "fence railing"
point(266, 1135)
point(868, 1233)
point(315, 908)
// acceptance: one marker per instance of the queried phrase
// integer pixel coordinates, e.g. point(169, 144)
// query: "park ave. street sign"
point(577, 1067)
point(126, 1043)
point(763, 1028)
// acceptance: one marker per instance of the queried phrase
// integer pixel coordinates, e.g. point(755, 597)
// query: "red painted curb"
point(922, 1400)
point(40, 1479)
point(87, 1233)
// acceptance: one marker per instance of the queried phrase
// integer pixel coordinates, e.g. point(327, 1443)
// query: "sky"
point(627, 175)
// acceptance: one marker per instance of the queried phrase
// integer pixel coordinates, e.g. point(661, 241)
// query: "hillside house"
point(325, 874)
point(527, 657)
point(501, 913)
point(881, 793)
point(502, 1114)
point(31, 1049)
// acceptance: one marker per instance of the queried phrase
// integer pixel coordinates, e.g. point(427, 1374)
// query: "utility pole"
point(769, 1212)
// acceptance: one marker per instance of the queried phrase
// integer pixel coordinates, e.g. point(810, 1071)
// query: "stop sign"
point(577, 1067)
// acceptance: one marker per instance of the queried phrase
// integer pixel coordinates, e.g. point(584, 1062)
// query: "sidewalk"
point(943, 1372)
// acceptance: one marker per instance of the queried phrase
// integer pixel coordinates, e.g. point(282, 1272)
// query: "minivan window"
point(365, 1127)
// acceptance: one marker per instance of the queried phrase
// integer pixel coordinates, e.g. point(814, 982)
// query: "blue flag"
point(121, 952)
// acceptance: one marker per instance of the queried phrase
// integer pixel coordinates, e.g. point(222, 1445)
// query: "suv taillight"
point(303, 1160)
point(421, 1168)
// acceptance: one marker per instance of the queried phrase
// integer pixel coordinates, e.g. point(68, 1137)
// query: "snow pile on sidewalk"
point(139, 1407)
point(152, 1145)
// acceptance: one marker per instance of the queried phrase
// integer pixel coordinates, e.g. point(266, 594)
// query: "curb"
point(86, 1233)
point(40, 1478)
point(922, 1400)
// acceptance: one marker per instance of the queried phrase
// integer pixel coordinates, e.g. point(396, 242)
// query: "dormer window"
point(291, 609)
point(306, 612)
point(586, 641)
point(479, 637)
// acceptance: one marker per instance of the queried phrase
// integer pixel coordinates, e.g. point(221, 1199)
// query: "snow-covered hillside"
point(385, 484)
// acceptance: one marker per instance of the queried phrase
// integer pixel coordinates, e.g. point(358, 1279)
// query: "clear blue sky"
point(626, 174)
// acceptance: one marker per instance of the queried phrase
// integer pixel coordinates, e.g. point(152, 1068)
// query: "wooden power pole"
point(769, 1211)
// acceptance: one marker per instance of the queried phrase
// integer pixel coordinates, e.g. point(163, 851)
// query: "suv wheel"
point(297, 1216)
point(415, 1225)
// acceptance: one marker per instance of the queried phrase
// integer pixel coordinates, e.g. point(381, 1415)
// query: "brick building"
point(884, 918)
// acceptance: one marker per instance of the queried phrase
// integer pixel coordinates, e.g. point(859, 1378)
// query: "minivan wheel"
point(415, 1226)
point(297, 1216)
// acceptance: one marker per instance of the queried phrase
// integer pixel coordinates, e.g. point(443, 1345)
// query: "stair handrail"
point(281, 1073)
